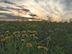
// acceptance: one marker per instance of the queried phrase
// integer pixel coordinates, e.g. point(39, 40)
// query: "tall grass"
point(35, 38)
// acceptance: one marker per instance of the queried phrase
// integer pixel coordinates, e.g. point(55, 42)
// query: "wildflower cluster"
point(26, 33)
point(5, 38)
point(26, 38)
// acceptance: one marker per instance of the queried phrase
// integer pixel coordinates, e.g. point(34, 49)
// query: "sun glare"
point(28, 16)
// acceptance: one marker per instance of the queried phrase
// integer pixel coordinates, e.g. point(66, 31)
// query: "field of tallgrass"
point(35, 38)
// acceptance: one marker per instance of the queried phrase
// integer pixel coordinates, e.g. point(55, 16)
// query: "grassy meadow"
point(35, 38)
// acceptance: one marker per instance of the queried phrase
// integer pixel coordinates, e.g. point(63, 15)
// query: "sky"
point(57, 9)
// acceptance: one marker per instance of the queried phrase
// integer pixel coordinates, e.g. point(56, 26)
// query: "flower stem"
point(28, 50)
point(44, 52)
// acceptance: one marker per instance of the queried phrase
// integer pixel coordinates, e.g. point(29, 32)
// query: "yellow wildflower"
point(28, 45)
point(35, 37)
point(32, 35)
point(45, 48)
point(35, 32)
point(7, 37)
point(17, 32)
point(14, 33)
point(24, 35)
point(42, 47)
point(39, 47)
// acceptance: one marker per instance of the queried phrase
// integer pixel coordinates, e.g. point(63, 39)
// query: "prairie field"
point(35, 38)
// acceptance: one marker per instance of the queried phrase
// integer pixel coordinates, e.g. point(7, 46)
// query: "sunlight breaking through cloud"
point(42, 8)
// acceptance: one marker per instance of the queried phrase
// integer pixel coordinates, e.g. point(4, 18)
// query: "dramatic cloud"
point(10, 15)
point(3, 9)
point(62, 8)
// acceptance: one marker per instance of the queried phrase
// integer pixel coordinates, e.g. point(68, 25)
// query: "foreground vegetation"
point(35, 38)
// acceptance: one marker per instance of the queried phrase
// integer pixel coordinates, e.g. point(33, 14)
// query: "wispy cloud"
point(9, 15)
point(3, 9)
point(56, 7)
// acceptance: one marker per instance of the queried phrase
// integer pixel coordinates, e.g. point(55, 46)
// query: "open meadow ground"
point(35, 38)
